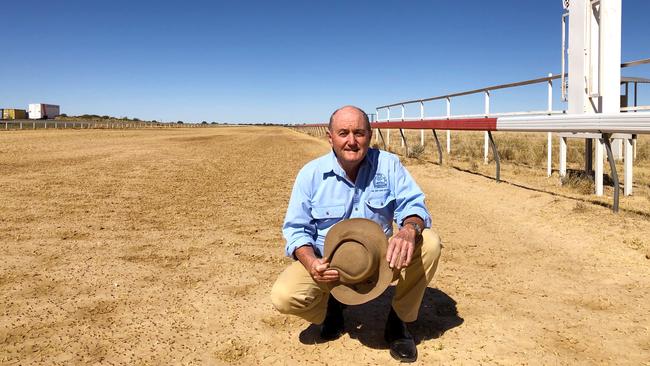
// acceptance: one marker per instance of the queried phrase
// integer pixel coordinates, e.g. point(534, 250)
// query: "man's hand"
point(317, 268)
point(401, 247)
point(320, 272)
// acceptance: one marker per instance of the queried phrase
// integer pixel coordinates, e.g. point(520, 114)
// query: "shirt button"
point(356, 209)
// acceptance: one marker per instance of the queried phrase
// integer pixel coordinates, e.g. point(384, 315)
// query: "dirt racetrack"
point(161, 247)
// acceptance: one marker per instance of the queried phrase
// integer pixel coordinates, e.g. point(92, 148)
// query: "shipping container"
point(14, 114)
point(43, 111)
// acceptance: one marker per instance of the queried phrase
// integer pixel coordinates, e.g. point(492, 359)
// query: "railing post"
point(549, 154)
point(627, 189)
point(388, 129)
point(422, 118)
point(563, 141)
point(600, 156)
point(377, 134)
point(448, 131)
point(486, 137)
point(549, 139)
point(400, 131)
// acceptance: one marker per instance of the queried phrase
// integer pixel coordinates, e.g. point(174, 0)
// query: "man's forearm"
point(305, 254)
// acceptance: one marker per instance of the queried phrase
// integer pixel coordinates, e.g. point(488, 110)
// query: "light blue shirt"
point(323, 196)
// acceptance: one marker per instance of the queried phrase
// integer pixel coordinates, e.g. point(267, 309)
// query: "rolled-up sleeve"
point(299, 228)
point(409, 198)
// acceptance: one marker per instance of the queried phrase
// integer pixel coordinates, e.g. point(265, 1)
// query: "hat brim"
point(369, 233)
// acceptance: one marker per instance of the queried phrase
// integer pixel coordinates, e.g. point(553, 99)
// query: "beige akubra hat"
point(356, 248)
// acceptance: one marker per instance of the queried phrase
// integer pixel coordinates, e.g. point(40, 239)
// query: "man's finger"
point(322, 267)
point(389, 250)
point(403, 255)
point(394, 257)
point(331, 273)
point(409, 255)
point(400, 258)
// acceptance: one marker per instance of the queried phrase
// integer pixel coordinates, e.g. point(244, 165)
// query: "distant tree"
point(204, 123)
point(136, 119)
point(63, 115)
point(106, 117)
point(180, 122)
point(213, 123)
point(154, 121)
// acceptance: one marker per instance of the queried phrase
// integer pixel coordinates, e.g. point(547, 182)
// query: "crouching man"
point(356, 182)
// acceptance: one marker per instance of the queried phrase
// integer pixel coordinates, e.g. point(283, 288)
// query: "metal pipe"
point(612, 167)
point(486, 137)
point(404, 144)
point(496, 156)
point(474, 91)
point(382, 138)
point(435, 137)
point(448, 131)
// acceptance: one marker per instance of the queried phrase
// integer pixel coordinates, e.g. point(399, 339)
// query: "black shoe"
point(333, 326)
point(400, 341)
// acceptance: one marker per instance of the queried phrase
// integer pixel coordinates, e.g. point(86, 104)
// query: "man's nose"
point(352, 140)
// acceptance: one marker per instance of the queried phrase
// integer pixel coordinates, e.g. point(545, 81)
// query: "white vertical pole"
point(486, 141)
point(599, 167)
point(628, 167)
point(549, 139)
point(422, 118)
point(377, 120)
point(610, 68)
point(549, 154)
point(448, 132)
point(388, 129)
point(563, 141)
point(402, 121)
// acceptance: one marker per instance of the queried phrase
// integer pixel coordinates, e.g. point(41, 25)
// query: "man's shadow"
point(366, 322)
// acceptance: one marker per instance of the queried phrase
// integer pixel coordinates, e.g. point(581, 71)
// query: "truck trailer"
point(43, 111)
point(11, 113)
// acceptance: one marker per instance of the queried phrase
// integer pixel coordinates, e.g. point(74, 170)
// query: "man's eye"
point(359, 134)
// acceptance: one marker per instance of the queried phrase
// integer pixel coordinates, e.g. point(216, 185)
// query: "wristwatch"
point(416, 226)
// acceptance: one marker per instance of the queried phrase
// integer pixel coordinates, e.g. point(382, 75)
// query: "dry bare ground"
point(161, 247)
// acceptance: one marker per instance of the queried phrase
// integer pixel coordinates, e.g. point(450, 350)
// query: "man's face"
point(349, 137)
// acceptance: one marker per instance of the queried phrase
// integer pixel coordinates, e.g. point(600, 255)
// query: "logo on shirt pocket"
point(380, 181)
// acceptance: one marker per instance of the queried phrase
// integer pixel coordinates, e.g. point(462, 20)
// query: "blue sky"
point(281, 61)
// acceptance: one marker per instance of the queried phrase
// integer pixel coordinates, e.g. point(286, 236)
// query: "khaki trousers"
point(296, 293)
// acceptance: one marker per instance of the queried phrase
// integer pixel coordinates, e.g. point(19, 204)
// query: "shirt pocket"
point(379, 200)
point(326, 216)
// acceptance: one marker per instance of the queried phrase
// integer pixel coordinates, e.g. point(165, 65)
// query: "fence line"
point(64, 124)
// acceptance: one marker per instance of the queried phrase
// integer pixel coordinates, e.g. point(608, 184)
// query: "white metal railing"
point(486, 92)
point(486, 106)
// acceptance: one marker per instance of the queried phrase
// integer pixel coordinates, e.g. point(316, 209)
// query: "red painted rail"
point(466, 124)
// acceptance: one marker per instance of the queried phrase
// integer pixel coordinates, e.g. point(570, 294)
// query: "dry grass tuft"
point(416, 151)
point(580, 207)
point(578, 181)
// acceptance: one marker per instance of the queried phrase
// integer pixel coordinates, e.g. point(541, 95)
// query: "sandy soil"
point(160, 247)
